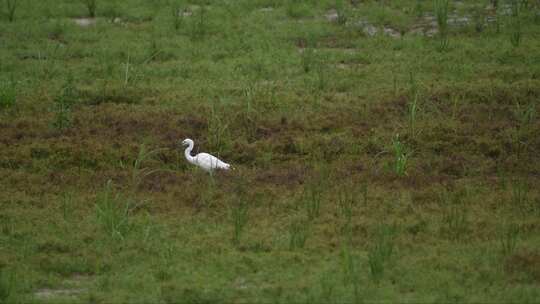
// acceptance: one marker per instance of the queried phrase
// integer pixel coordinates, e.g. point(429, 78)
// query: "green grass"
point(8, 94)
point(326, 203)
point(11, 8)
point(239, 219)
point(91, 6)
point(401, 155)
point(441, 14)
point(381, 252)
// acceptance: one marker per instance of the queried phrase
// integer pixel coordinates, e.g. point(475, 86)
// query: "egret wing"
point(209, 162)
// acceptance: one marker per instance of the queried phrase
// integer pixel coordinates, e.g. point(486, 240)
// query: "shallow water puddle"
point(72, 287)
point(388, 31)
point(84, 22)
point(425, 25)
point(189, 10)
point(49, 293)
point(331, 15)
point(371, 30)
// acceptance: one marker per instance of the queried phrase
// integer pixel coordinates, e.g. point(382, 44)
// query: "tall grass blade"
point(91, 6)
point(381, 251)
point(441, 13)
point(239, 217)
point(11, 6)
point(508, 239)
point(298, 234)
point(112, 214)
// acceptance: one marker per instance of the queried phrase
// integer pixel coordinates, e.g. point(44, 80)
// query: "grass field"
point(385, 151)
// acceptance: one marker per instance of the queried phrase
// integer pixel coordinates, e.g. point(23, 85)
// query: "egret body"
point(204, 160)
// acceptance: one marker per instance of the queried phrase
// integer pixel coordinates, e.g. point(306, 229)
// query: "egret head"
point(187, 142)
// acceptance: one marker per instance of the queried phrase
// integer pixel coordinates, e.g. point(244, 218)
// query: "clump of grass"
point(8, 94)
point(57, 31)
point(11, 6)
point(413, 103)
point(322, 74)
point(127, 70)
point(7, 286)
point(177, 15)
point(308, 55)
point(138, 172)
point(401, 156)
point(454, 215)
point(381, 251)
point(456, 101)
point(69, 92)
point(312, 201)
point(112, 213)
point(502, 177)
point(165, 259)
point(198, 27)
point(313, 61)
point(497, 22)
point(327, 288)
point(347, 200)
point(298, 233)
point(441, 13)
point(456, 221)
point(6, 226)
point(341, 12)
point(419, 8)
point(62, 105)
point(239, 218)
point(307, 58)
point(62, 117)
point(218, 131)
point(91, 6)
point(520, 196)
point(525, 115)
point(413, 110)
point(312, 197)
point(520, 191)
point(162, 274)
point(208, 191)
point(297, 9)
point(66, 204)
point(351, 274)
point(153, 50)
point(111, 11)
point(312, 194)
point(515, 22)
point(478, 16)
point(508, 238)
point(249, 93)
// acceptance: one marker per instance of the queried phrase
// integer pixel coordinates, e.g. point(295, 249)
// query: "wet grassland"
point(385, 151)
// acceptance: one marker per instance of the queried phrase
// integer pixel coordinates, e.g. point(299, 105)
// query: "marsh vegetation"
point(385, 151)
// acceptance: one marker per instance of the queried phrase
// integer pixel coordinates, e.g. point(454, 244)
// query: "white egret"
point(204, 160)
